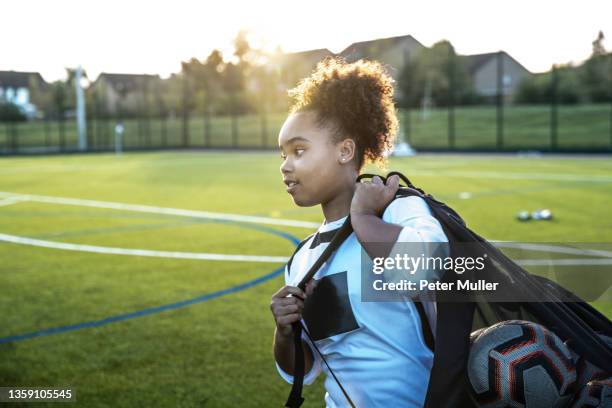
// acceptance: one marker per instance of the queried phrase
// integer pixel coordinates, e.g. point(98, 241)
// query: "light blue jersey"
point(376, 349)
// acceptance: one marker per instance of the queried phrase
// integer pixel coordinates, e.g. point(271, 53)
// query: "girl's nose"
point(286, 167)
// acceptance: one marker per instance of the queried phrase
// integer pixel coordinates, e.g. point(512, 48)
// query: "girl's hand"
point(288, 309)
point(372, 198)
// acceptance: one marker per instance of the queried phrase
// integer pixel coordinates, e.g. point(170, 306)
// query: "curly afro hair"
point(356, 99)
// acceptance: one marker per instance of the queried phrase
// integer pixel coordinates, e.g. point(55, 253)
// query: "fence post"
point(185, 112)
point(451, 99)
point(147, 113)
point(7, 136)
point(15, 137)
point(47, 132)
point(500, 101)
point(162, 112)
point(264, 129)
point(234, 121)
point(95, 120)
point(207, 124)
point(408, 130)
point(90, 130)
point(62, 131)
point(92, 121)
point(108, 130)
point(164, 130)
point(205, 116)
point(121, 118)
point(553, 108)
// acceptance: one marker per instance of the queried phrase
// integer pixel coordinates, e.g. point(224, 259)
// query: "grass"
point(215, 353)
point(524, 127)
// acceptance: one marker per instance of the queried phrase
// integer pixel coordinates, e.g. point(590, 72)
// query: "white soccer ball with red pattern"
point(521, 364)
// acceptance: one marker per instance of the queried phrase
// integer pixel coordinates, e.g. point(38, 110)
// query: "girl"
point(343, 117)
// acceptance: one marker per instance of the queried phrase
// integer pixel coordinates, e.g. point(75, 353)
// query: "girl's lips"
point(291, 188)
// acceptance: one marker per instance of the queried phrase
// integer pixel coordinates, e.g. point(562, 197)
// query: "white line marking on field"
point(140, 252)
point(14, 239)
point(563, 262)
point(238, 258)
point(553, 248)
point(516, 176)
point(163, 210)
point(12, 200)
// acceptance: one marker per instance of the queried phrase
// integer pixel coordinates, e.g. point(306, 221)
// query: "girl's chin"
point(302, 202)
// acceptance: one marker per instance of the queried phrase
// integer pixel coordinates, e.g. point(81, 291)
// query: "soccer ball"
point(595, 394)
point(520, 364)
point(475, 335)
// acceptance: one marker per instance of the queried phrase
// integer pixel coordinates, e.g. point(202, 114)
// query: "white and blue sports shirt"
point(376, 349)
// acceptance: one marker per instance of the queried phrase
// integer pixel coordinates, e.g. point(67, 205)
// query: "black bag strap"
point(295, 396)
point(425, 326)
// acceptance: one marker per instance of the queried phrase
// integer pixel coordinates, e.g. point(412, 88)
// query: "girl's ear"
point(347, 151)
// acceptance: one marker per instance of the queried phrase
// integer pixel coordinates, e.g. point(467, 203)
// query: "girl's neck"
point(339, 206)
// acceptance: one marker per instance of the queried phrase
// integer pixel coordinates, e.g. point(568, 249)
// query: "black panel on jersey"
point(328, 311)
point(323, 237)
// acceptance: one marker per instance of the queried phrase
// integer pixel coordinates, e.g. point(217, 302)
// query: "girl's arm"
point(367, 206)
point(287, 310)
point(372, 232)
point(284, 353)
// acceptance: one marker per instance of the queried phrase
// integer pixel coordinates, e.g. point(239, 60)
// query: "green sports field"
point(81, 307)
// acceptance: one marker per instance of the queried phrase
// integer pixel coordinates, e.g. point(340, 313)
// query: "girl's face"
point(314, 167)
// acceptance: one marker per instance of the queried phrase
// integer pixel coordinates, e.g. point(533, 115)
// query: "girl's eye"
point(299, 151)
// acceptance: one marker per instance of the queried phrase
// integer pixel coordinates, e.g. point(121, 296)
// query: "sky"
point(128, 36)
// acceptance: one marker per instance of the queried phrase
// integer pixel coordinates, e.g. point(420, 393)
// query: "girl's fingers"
point(288, 319)
point(290, 301)
point(289, 290)
point(282, 302)
point(286, 310)
point(393, 181)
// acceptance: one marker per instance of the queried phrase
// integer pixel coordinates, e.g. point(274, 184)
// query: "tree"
point(440, 68)
point(596, 72)
point(60, 99)
point(41, 95)
point(9, 112)
point(538, 89)
point(207, 77)
point(598, 47)
point(409, 84)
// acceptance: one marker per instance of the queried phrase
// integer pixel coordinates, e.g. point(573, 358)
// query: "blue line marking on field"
point(144, 312)
point(163, 308)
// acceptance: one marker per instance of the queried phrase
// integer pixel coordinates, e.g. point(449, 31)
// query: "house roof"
point(307, 53)
point(362, 47)
point(19, 79)
point(126, 82)
point(476, 61)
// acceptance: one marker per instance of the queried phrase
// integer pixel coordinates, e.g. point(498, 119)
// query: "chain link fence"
point(555, 123)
